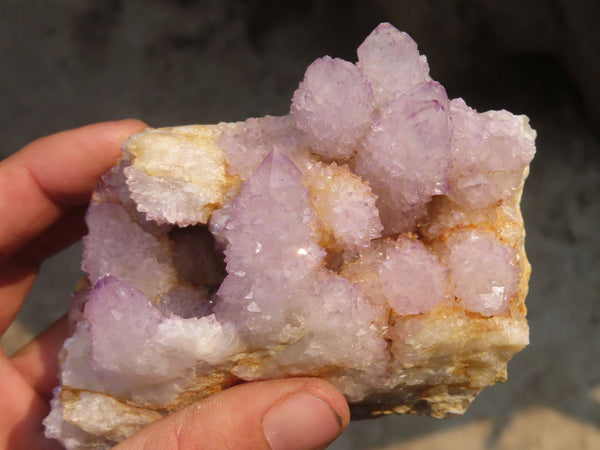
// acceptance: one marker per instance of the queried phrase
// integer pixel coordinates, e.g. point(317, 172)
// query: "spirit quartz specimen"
point(371, 237)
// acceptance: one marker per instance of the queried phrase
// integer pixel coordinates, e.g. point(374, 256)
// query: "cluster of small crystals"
point(175, 180)
point(396, 128)
point(391, 127)
point(362, 206)
point(276, 291)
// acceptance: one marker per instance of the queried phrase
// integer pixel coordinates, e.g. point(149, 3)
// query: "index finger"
point(38, 183)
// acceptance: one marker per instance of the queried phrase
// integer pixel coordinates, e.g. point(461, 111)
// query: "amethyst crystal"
point(372, 237)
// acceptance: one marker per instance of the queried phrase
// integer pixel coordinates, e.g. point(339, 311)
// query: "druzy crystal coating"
point(371, 237)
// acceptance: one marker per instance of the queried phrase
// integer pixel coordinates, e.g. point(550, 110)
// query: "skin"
point(44, 190)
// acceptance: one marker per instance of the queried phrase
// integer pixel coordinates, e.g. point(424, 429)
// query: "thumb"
point(295, 414)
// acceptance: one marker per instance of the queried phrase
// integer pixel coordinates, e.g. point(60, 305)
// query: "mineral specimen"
point(371, 237)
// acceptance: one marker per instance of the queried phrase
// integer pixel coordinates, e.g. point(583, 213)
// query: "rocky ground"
point(206, 61)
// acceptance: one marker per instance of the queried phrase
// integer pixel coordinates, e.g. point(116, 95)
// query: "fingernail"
point(301, 421)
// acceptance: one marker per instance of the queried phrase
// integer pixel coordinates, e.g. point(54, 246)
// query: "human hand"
point(44, 190)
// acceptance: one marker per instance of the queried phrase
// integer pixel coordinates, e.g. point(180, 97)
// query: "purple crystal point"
point(406, 153)
point(391, 62)
point(121, 323)
point(272, 225)
point(413, 276)
point(246, 144)
point(484, 272)
point(489, 152)
point(333, 107)
point(271, 245)
point(276, 171)
point(119, 246)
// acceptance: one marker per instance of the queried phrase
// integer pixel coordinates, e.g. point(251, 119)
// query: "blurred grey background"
point(67, 63)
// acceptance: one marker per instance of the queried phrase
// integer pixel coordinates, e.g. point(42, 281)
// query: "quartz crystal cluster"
point(371, 237)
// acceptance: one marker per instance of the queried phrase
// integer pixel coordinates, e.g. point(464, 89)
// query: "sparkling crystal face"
point(372, 237)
